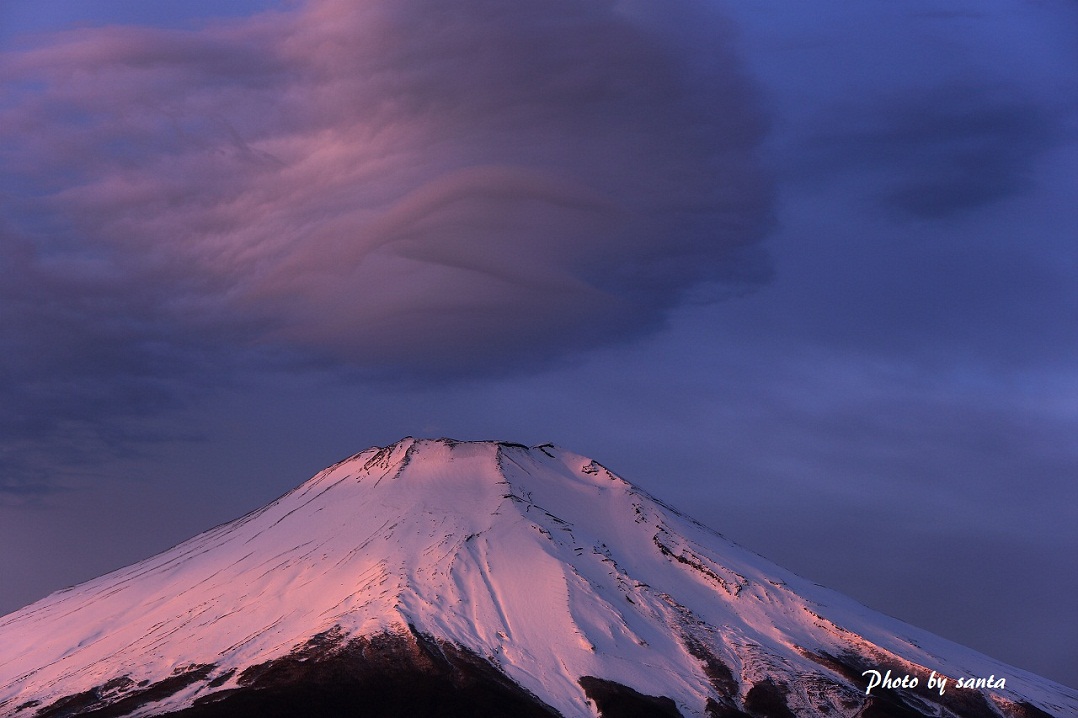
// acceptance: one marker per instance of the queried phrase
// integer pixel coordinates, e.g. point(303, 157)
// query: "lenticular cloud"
point(393, 182)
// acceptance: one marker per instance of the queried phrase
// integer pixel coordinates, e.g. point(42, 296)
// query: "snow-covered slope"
point(537, 567)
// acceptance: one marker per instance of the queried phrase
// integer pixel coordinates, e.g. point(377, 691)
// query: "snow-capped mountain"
point(443, 578)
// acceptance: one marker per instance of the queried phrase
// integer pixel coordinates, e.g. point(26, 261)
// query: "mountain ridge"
point(530, 567)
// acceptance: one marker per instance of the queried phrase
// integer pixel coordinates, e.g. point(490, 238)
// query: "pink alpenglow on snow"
point(436, 577)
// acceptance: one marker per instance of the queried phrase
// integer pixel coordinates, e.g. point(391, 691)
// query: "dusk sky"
point(806, 271)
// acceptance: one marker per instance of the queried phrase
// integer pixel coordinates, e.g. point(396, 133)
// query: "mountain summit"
point(446, 578)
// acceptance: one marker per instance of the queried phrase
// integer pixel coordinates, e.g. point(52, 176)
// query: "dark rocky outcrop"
point(389, 675)
point(120, 696)
point(613, 700)
point(768, 699)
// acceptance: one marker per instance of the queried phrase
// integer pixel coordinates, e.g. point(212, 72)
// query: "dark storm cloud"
point(392, 186)
point(944, 150)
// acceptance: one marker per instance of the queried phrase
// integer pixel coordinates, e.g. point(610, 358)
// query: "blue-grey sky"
point(807, 271)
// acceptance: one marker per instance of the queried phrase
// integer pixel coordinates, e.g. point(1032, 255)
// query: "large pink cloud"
point(409, 183)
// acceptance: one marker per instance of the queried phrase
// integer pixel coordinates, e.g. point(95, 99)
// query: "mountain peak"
point(532, 574)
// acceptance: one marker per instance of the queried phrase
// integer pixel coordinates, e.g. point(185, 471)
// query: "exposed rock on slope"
point(443, 578)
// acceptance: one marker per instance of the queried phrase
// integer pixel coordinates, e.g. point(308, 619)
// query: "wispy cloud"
point(943, 150)
point(392, 186)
